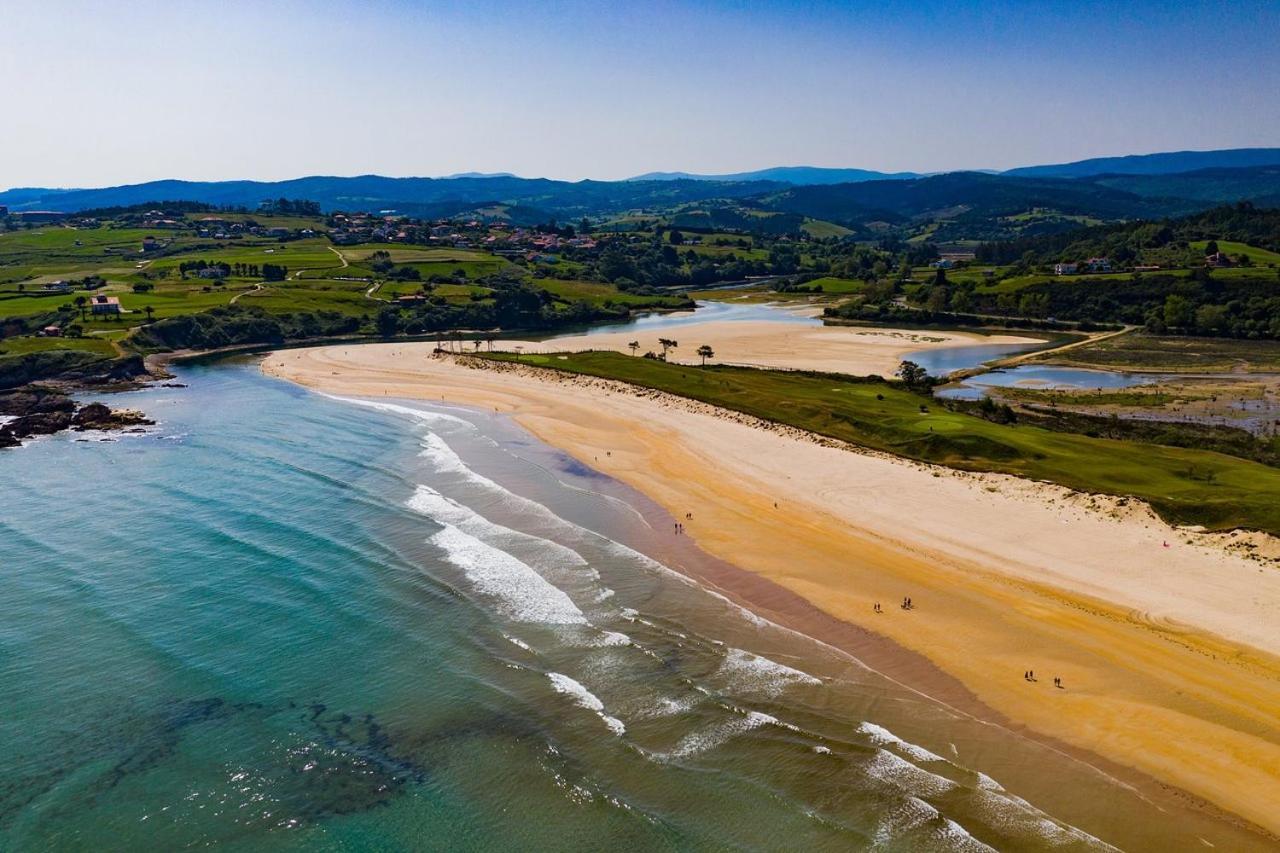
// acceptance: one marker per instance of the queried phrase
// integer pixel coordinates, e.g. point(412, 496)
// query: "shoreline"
point(1120, 663)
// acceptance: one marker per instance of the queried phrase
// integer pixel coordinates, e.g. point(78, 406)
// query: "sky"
point(102, 93)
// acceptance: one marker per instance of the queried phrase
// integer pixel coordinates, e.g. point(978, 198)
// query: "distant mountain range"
point(798, 175)
point(1168, 163)
point(971, 204)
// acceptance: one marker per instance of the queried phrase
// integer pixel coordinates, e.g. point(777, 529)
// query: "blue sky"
point(98, 95)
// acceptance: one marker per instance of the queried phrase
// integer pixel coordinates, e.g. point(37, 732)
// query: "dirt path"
point(256, 288)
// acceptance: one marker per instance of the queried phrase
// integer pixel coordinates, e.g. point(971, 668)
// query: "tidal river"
point(280, 620)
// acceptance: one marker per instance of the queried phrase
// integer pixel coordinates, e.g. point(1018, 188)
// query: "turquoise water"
point(283, 621)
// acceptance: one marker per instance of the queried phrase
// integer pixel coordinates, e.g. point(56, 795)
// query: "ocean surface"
point(281, 620)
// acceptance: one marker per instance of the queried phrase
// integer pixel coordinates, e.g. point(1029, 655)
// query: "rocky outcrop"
point(38, 410)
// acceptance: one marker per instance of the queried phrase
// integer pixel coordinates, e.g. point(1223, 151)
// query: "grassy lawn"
point(831, 284)
point(29, 343)
point(1185, 486)
point(293, 297)
point(598, 293)
point(822, 229)
point(1260, 257)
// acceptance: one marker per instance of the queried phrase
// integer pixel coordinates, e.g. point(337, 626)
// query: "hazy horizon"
point(102, 97)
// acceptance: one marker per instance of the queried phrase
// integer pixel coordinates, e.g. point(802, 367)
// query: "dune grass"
point(1186, 486)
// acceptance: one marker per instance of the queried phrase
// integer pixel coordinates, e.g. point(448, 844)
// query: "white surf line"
point(758, 619)
point(584, 698)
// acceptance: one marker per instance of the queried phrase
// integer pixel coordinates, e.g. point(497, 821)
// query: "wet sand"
point(1168, 654)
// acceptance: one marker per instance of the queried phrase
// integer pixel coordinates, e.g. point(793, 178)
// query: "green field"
point(30, 343)
point(323, 279)
point(830, 284)
point(1185, 486)
point(598, 293)
point(821, 229)
point(1260, 257)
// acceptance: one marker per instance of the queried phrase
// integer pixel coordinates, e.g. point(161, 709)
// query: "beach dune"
point(1168, 642)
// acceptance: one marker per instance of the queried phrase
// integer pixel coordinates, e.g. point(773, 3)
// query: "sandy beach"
point(1167, 640)
point(831, 349)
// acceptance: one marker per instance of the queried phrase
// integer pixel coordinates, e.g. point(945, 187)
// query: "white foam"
point(985, 781)
point(910, 814)
point(436, 506)
point(518, 643)
point(614, 638)
point(881, 736)
point(446, 460)
point(957, 837)
point(667, 706)
point(586, 699)
point(521, 593)
point(902, 774)
point(418, 414)
point(1020, 816)
point(759, 674)
point(696, 743)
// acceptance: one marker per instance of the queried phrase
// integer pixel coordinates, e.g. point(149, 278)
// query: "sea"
point(284, 620)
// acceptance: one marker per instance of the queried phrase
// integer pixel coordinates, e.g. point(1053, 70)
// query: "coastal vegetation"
point(1185, 485)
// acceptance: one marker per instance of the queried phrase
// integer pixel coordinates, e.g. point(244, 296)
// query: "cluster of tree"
point(173, 209)
point(565, 231)
point(1199, 304)
point(221, 268)
point(236, 325)
point(381, 263)
point(292, 206)
point(635, 267)
point(1136, 242)
point(509, 305)
point(892, 314)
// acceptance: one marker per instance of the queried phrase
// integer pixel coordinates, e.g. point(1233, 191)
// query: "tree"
point(388, 322)
point(913, 375)
point(80, 302)
point(937, 300)
point(1178, 312)
point(634, 345)
point(1211, 248)
point(149, 311)
point(706, 352)
point(674, 237)
point(666, 344)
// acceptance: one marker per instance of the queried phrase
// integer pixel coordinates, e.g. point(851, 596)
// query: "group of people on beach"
point(1030, 675)
point(906, 605)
